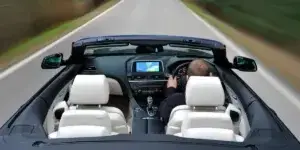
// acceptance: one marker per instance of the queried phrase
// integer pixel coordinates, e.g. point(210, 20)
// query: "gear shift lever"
point(151, 110)
point(149, 101)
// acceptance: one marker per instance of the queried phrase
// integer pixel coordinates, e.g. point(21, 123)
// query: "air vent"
point(157, 77)
point(90, 68)
point(139, 77)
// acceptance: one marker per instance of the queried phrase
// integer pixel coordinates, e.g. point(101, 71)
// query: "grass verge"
point(31, 45)
point(278, 60)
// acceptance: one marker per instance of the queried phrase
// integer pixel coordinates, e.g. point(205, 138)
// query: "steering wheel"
point(181, 75)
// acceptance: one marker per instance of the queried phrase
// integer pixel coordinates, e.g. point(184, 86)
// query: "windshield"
point(103, 49)
point(131, 49)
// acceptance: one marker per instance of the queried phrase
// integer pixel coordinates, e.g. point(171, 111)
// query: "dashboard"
point(146, 77)
point(141, 74)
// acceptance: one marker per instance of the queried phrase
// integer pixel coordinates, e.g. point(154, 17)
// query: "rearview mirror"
point(52, 61)
point(244, 64)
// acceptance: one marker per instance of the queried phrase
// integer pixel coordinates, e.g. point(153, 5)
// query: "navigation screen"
point(147, 66)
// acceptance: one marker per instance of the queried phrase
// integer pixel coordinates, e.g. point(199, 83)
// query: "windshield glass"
point(131, 49)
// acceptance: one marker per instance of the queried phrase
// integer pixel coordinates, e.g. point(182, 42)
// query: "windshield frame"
point(218, 49)
point(123, 49)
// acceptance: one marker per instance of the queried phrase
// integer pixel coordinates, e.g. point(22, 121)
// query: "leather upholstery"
point(203, 94)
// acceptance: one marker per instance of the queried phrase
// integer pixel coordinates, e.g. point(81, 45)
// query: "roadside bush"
point(277, 21)
point(24, 18)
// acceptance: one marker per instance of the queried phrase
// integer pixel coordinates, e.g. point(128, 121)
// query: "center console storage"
point(146, 118)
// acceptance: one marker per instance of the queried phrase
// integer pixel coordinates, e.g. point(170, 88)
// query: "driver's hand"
point(172, 82)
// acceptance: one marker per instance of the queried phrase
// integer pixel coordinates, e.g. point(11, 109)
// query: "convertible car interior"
point(112, 87)
point(95, 104)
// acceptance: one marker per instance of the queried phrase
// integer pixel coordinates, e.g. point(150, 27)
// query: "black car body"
point(25, 129)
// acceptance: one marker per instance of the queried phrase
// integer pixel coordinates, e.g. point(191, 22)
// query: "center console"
point(147, 80)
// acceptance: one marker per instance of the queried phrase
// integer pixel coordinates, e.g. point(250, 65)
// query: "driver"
point(197, 67)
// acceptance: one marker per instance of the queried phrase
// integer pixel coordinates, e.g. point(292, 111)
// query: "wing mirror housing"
point(244, 64)
point(52, 61)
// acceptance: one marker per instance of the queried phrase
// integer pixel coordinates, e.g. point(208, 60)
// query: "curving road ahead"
point(18, 83)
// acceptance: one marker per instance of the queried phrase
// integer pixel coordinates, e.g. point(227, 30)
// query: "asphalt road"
point(146, 17)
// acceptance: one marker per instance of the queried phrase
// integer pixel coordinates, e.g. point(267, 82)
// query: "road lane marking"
point(270, 78)
point(20, 64)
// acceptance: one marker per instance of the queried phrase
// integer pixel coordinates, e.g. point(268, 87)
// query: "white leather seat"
point(117, 118)
point(203, 94)
point(208, 133)
point(89, 92)
point(209, 125)
point(83, 123)
point(85, 117)
point(80, 131)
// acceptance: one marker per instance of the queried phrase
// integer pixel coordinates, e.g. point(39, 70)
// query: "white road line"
point(270, 78)
point(43, 50)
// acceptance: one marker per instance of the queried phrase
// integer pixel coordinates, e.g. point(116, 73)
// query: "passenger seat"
point(83, 123)
point(89, 92)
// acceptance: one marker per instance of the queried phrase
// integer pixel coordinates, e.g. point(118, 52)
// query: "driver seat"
point(209, 125)
point(202, 94)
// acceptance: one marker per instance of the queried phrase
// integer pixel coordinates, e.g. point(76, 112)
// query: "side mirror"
point(244, 64)
point(52, 61)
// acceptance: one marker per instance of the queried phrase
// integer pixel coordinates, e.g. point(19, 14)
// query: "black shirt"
point(173, 99)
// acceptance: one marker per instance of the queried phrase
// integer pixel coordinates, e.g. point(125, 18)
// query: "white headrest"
point(207, 120)
point(82, 131)
point(85, 117)
point(204, 91)
point(89, 90)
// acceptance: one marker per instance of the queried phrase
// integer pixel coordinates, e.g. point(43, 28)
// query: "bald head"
point(198, 67)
